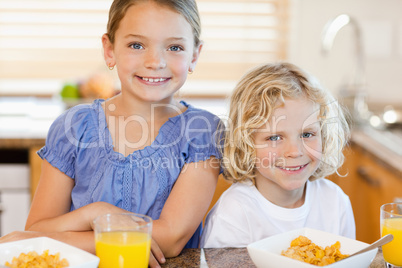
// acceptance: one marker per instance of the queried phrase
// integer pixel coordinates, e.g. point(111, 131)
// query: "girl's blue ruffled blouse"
point(79, 144)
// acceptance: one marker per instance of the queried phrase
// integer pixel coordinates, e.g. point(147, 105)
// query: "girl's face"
point(289, 147)
point(153, 52)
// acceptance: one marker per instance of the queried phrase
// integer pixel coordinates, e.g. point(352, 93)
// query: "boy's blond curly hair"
point(253, 101)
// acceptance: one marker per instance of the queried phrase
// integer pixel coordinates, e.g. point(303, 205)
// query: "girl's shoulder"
point(194, 123)
point(196, 115)
point(85, 111)
point(78, 121)
point(88, 113)
point(75, 129)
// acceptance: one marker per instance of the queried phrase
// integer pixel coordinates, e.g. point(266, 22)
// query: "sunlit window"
point(45, 43)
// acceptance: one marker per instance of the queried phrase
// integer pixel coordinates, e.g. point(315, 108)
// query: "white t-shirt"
point(242, 215)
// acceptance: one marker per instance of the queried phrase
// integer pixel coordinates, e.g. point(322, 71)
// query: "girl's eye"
point(274, 138)
point(175, 48)
point(307, 135)
point(136, 46)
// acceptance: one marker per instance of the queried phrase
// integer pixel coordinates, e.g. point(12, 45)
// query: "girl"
point(139, 151)
point(285, 134)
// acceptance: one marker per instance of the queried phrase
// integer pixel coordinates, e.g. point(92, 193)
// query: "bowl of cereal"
point(45, 251)
point(308, 248)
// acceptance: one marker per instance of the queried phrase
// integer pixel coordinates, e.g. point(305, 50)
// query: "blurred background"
point(47, 43)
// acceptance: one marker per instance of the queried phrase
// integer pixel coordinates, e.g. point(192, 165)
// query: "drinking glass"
point(123, 240)
point(391, 223)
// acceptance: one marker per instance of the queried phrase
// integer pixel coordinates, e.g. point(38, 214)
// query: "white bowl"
point(76, 257)
point(266, 253)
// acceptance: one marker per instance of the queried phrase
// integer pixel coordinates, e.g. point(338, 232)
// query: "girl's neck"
point(134, 125)
point(123, 106)
point(279, 196)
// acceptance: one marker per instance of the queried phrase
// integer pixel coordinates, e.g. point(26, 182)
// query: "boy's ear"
point(196, 55)
point(108, 53)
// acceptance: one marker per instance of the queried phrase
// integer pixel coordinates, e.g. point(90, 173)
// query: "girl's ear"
point(196, 54)
point(108, 53)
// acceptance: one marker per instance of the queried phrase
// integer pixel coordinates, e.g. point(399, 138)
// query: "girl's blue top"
point(79, 144)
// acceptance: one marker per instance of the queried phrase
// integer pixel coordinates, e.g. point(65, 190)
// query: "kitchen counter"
point(229, 257)
point(384, 146)
point(21, 143)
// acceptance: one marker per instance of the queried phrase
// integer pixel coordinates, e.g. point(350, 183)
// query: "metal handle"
point(380, 242)
point(365, 175)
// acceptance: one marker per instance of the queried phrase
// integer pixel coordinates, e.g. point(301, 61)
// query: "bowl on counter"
point(266, 253)
point(76, 257)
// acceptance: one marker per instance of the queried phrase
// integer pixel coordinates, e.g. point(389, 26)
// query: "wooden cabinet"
point(369, 184)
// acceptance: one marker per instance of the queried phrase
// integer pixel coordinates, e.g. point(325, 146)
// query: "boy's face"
point(289, 147)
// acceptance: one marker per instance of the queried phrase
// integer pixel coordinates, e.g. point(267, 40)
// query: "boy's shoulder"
point(238, 192)
point(325, 184)
point(326, 189)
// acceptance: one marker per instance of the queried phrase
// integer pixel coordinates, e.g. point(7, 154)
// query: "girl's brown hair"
point(187, 8)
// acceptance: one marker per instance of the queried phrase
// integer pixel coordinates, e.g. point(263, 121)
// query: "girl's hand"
point(20, 235)
point(82, 240)
point(156, 256)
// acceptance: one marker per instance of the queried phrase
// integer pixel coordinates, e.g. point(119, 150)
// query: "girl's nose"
point(294, 148)
point(155, 60)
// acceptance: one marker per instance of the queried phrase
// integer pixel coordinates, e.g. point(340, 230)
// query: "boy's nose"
point(294, 148)
point(155, 60)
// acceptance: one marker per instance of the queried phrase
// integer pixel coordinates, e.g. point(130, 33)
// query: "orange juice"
point(392, 250)
point(123, 249)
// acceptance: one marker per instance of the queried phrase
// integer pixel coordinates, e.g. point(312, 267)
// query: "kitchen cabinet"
point(30, 146)
point(14, 197)
point(369, 183)
point(35, 162)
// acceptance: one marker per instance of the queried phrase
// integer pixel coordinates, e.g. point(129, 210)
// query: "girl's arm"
point(52, 197)
point(77, 239)
point(180, 217)
point(50, 209)
point(50, 212)
point(186, 206)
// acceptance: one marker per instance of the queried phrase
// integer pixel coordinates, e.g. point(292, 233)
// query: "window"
point(44, 43)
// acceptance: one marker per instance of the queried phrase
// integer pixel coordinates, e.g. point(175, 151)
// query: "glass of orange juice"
point(123, 240)
point(391, 223)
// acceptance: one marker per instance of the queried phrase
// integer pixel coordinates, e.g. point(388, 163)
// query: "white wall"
point(381, 25)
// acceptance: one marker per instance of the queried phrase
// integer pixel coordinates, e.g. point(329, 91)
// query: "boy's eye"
point(307, 135)
point(175, 48)
point(274, 138)
point(136, 46)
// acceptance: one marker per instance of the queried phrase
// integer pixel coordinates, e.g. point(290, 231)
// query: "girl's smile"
point(153, 80)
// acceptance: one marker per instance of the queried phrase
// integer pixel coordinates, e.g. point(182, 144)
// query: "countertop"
point(385, 146)
point(229, 258)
